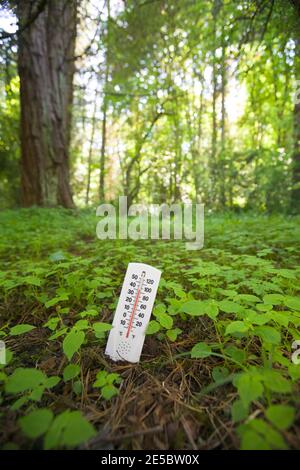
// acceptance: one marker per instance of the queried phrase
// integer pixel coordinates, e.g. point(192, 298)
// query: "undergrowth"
point(216, 369)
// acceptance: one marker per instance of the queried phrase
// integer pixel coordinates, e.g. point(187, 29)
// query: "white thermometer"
point(126, 338)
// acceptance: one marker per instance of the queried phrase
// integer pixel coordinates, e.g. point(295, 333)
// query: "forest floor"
point(216, 372)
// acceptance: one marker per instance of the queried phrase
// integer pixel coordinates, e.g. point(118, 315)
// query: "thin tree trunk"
point(103, 144)
point(89, 172)
point(295, 194)
point(46, 68)
point(214, 105)
point(223, 122)
point(178, 155)
point(199, 143)
point(102, 156)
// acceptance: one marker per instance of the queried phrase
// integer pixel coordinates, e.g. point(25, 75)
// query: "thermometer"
point(126, 338)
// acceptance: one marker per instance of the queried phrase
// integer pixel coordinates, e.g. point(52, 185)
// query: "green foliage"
point(165, 320)
point(282, 416)
point(225, 322)
point(153, 327)
point(249, 386)
point(100, 328)
point(32, 382)
point(72, 342)
point(105, 382)
point(24, 379)
point(259, 435)
point(68, 429)
point(20, 329)
point(9, 137)
point(172, 334)
point(71, 371)
point(36, 423)
point(201, 350)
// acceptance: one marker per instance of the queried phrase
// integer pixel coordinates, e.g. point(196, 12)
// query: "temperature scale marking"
point(135, 303)
point(126, 338)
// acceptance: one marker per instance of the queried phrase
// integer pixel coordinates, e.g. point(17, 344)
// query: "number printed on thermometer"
point(133, 312)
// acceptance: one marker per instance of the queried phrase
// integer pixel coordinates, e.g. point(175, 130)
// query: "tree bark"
point(104, 119)
point(90, 155)
point(46, 68)
point(214, 135)
point(295, 194)
point(223, 121)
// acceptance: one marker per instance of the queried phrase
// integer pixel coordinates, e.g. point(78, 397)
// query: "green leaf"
point(32, 281)
point(264, 307)
point(272, 437)
point(282, 416)
point(172, 334)
point(165, 320)
point(268, 334)
point(210, 308)
point(89, 313)
point(52, 323)
point(113, 377)
point(23, 379)
point(78, 430)
point(236, 327)
point(275, 382)
point(81, 325)
point(50, 382)
point(36, 423)
point(293, 303)
point(77, 387)
point(19, 403)
point(194, 308)
point(101, 327)
point(219, 373)
point(258, 318)
point(153, 327)
point(274, 299)
point(54, 436)
point(56, 300)
point(37, 393)
point(109, 391)
point(101, 379)
point(58, 333)
point(201, 350)
point(287, 273)
point(229, 307)
point(294, 372)
point(160, 308)
point(69, 429)
point(249, 387)
point(20, 329)
point(239, 411)
point(236, 353)
point(251, 440)
point(72, 342)
point(247, 298)
point(282, 318)
point(71, 371)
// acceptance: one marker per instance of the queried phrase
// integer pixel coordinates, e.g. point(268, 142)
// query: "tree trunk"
point(178, 154)
point(104, 119)
point(214, 135)
point(46, 68)
point(90, 155)
point(295, 194)
point(223, 123)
